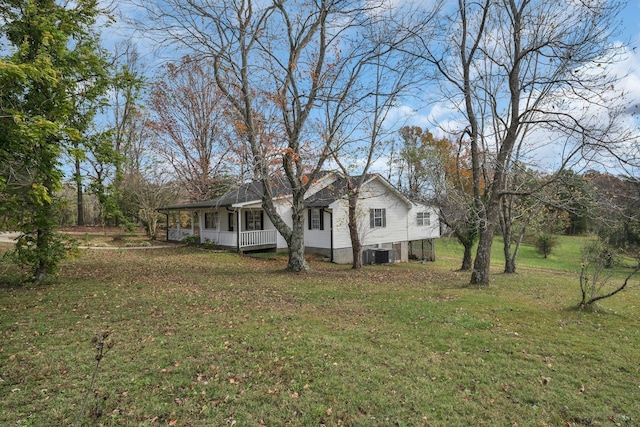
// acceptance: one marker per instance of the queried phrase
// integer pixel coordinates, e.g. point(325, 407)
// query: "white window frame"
point(378, 217)
point(423, 218)
point(254, 220)
point(211, 220)
point(315, 219)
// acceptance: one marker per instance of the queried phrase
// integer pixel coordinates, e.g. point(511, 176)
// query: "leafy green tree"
point(545, 243)
point(51, 57)
point(116, 150)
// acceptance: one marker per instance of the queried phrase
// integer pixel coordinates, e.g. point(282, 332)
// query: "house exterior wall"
point(318, 239)
point(421, 232)
point(374, 196)
point(401, 223)
point(400, 228)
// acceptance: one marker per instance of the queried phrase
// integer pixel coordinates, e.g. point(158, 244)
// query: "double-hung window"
point(378, 218)
point(254, 220)
point(423, 218)
point(211, 220)
point(232, 220)
point(315, 219)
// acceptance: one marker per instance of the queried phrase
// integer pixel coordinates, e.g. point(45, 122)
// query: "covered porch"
point(240, 228)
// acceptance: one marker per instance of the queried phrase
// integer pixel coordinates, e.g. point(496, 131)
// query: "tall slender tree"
point(52, 57)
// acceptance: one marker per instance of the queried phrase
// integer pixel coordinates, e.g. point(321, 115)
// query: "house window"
point(211, 220)
point(315, 219)
point(424, 218)
point(232, 221)
point(254, 220)
point(377, 218)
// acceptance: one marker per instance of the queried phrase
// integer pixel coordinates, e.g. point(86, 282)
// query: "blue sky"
point(631, 21)
point(628, 69)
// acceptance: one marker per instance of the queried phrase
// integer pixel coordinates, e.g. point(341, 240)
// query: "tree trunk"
point(356, 244)
point(42, 243)
point(482, 264)
point(297, 261)
point(80, 202)
point(509, 265)
point(466, 258)
point(509, 258)
point(481, 270)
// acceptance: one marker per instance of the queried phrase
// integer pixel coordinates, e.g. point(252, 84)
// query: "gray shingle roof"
point(253, 191)
point(332, 192)
point(249, 192)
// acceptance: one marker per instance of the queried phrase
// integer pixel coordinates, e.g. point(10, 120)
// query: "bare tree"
point(149, 192)
point(594, 281)
point(194, 128)
point(380, 76)
point(276, 63)
point(527, 72)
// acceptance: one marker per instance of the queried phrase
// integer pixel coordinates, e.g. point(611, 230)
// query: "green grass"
point(566, 255)
point(203, 338)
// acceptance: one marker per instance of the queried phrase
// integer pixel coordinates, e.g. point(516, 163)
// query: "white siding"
point(416, 232)
point(341, 237)
point(374, 196)
point(318, 238)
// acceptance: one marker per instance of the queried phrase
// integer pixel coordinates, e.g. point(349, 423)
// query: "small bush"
point(544, 243)
point(209, 244)
point(191, 240)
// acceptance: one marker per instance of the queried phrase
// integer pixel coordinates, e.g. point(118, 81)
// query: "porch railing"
point(257, 238)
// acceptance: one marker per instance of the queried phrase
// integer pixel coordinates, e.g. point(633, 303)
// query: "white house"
point(391, 227)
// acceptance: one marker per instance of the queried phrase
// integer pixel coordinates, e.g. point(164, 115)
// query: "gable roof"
point(339, 189)
point(252, 193)
point(332, 192)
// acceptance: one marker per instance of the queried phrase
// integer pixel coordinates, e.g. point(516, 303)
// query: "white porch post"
point(193, 226)
point(239, 228)
point(218, 224)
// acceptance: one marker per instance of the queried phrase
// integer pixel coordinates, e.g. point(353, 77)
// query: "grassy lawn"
point(206, 338)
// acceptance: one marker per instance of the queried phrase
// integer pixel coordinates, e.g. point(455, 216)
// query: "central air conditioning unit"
point(383, 256)
point(378, 256)
point(368, 256)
